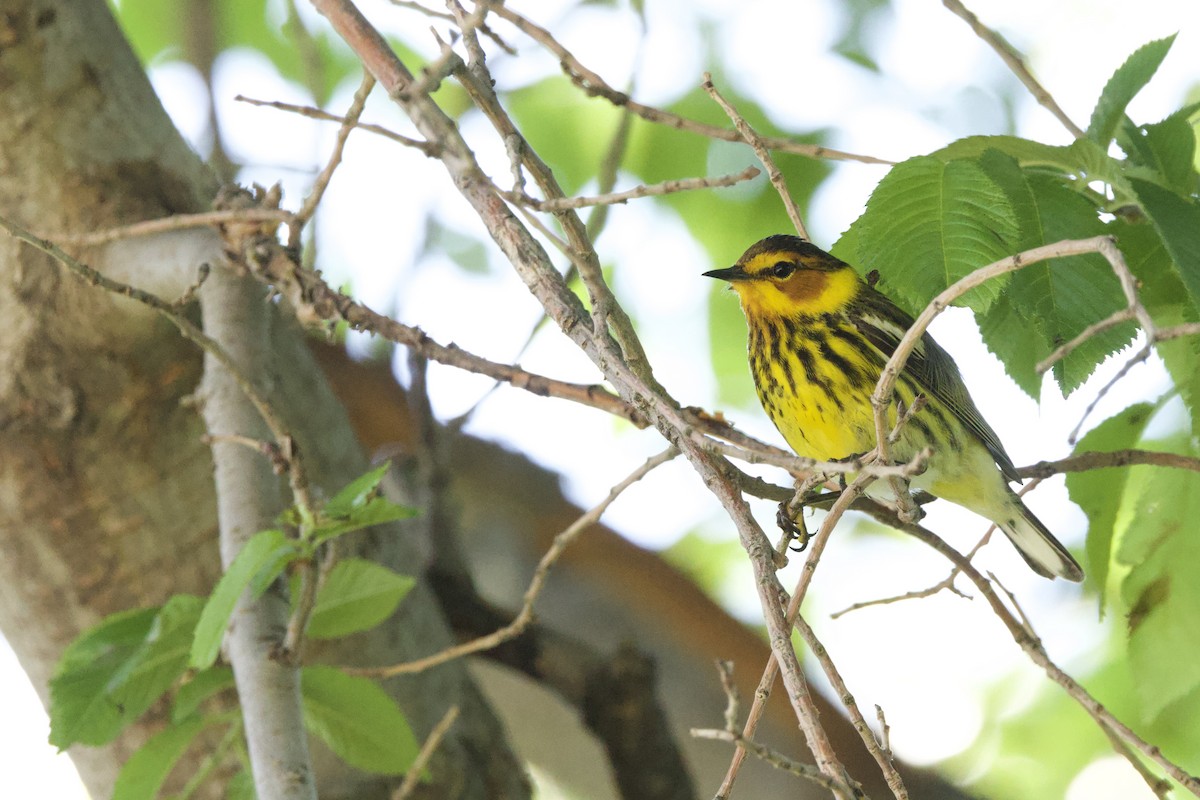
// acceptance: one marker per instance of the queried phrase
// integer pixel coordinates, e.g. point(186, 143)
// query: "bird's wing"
point(883, 324)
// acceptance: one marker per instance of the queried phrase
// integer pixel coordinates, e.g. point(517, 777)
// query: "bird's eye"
point(783, 269)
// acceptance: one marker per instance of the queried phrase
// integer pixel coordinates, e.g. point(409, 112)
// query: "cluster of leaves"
point(118, 670)
point(938, 217)
point(934, 219)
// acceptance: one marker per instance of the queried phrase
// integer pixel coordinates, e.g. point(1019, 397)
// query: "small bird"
point(819, 337)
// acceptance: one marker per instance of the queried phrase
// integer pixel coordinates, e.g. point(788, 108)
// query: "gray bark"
point(106, 493)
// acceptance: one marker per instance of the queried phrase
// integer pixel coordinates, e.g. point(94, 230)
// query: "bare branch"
point(624, 366)
point(413, 776)
point(593, 84)
point(428, 148)
point(1014, 61)
point(882, 757)
point(751, 137)
point(309, 206)
point(177, 222)
point(1037, 653)
point(525, 616)
point(767, 682)
point(775, 759)
point(882, 396)
point(315, 300)
point(1083, 462)
point(652, 190)
point(1060, 352)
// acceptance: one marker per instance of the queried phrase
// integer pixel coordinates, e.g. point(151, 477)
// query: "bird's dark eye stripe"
point(782, 269)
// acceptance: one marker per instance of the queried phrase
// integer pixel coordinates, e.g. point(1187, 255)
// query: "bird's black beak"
point(734, 273)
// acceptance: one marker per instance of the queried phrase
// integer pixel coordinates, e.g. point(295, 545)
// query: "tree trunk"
point(106, 493)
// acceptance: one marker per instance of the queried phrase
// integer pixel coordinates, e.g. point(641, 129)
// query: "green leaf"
point(82, 708)
point(466, 252)
point(359, 505)
point(1160, 590)
point(1159, 285)
point(1125, 83)
point(1026, 152)
point(357, 596)
point(1079, 163)
point(1167, 149)
point(930, 223)
point(162, 658)
point(1177, 220)
point(113, 673)
point(1100, 492)
point(260, 550)
point(147, 769)
point(241, 787)
point(202, 686)
point(1181, 356)
point(376, 511)
point(357, 493)
point(1018, 345)
point(358, 720)
point(1060, 297)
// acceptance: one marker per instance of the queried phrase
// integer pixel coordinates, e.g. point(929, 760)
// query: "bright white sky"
point(934, 67)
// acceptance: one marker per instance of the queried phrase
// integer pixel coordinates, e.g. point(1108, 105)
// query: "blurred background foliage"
point(971, 191)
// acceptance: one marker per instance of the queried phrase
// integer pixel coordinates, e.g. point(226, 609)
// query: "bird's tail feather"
point(1045, 555)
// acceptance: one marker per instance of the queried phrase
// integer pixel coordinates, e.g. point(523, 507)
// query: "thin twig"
point(413, 776)
point(292, 647)
point(882, 396)
point(800, 466)
point(772, 757)
point(189, 293)
point(268, 449)
point(525, 616)
point(732, 700)
point(428, 148)
point(608, 317)
point(483, 28)
point(1160, 786)
point(313, 299)
point(885, 731)
point(815, 548)
point(1137, 358)
point(177, 222)
point(309, 206)
point(1061, 352)
point(652, 190)
point(882, 757)
point(436, 71)
point(751, 137)
point(946, 583)
point(1133, 310)
point(1083, 462)
point(1013, 59)
point(593, 84)
point(1037, 653)
point(732, 734)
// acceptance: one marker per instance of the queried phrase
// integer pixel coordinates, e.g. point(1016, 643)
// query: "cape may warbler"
point(820, 336)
